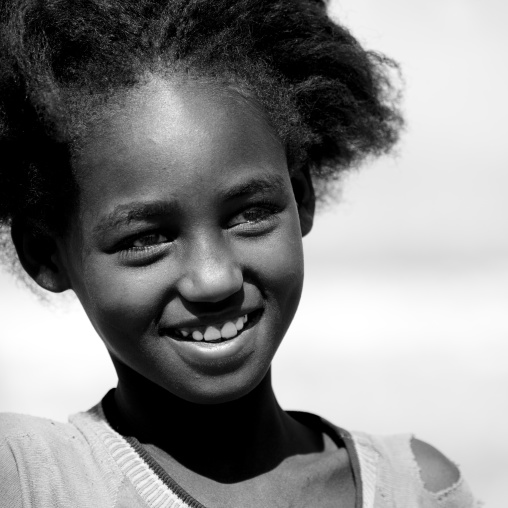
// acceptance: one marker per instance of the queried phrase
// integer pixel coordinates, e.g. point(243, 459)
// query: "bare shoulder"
point(437, 471)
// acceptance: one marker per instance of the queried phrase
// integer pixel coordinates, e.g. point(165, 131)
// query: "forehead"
point(189, 118)
point(176, 142)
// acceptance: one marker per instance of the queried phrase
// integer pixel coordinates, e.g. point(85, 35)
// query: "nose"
point(211, 273)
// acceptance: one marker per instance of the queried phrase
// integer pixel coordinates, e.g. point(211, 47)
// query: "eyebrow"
point(136, 211)
point(263, 184)
point(140, 211)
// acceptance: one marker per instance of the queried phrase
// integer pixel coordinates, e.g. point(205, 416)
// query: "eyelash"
point(128, 249)
point(265, 212)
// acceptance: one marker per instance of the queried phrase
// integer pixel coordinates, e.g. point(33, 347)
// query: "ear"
point(40, 257)
point(305, 198)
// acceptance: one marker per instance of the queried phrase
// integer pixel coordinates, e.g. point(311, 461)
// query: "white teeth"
point(197, 335)
point(212, 333)
point(228, 330)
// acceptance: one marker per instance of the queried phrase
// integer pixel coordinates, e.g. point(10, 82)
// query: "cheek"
point(289, 266)
point(280, 267)
point(121, 300)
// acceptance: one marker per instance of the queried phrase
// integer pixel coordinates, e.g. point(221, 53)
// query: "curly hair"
point(62, 63)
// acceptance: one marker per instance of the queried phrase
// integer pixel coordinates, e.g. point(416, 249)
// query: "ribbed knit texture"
point(154, 492)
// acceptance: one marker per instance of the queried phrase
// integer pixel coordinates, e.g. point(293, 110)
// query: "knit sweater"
point(86, 464)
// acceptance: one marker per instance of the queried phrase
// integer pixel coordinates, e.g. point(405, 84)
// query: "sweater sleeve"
point(391, 477)
point(10, 485)
point(46, 464)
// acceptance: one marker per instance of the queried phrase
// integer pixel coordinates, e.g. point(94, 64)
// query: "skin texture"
point(437, 471)
point(187, 218)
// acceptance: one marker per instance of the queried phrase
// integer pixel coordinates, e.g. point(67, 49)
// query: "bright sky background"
point(402, 327)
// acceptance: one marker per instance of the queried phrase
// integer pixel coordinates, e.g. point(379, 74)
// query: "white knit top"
point(86, 464)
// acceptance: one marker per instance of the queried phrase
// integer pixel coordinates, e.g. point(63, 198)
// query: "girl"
point(162, 160)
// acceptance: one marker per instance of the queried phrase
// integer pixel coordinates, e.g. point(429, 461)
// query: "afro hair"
point(63, 61)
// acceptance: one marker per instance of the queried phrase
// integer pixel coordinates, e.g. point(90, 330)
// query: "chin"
point(221, 390)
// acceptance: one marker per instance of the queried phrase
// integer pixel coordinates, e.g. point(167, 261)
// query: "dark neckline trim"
point(111, 413)
point(341, 438)
point(162, 474)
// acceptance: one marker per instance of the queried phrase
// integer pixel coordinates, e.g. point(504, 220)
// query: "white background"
point(403, 323)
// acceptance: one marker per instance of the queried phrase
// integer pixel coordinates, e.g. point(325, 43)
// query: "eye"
point(149, 240)
point(255, 216)
point(144, 248)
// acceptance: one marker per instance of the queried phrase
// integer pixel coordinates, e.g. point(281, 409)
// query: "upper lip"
point(210, 320)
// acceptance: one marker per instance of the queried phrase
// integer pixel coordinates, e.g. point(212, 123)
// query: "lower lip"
point(208, 353)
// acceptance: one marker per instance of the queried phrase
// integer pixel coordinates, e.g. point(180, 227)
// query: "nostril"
point(233, 301)
point(211, 285)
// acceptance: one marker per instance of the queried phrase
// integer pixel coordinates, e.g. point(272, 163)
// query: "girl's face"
point(187, 226)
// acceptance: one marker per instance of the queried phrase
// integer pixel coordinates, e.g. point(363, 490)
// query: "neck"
point(240, 439)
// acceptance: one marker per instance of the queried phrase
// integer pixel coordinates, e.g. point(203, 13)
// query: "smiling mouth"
point(215, 333)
